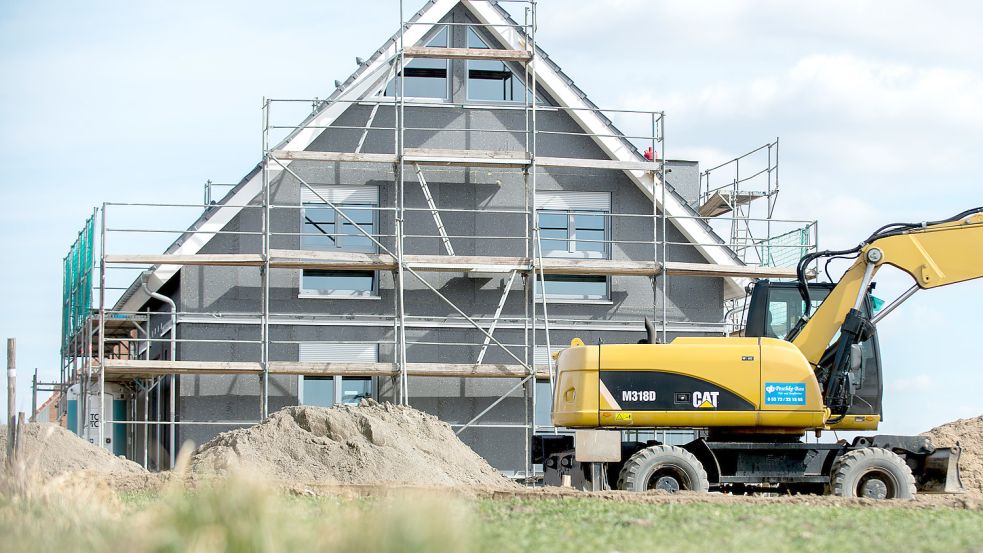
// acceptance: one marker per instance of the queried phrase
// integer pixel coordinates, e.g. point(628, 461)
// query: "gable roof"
point(374, 73)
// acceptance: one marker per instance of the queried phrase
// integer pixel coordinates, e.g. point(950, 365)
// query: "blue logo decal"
point(785, 393)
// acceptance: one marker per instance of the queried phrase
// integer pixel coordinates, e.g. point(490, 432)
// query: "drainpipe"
point(173, 379)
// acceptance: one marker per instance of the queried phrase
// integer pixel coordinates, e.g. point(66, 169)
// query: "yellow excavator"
point(797, 369)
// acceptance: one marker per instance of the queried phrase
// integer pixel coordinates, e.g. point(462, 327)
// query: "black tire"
point(872, 472)
point(663, 467)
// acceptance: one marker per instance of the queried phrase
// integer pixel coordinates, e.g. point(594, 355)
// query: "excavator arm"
point(934, 254)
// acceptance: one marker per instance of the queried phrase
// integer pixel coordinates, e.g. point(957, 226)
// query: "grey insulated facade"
point(351, 315)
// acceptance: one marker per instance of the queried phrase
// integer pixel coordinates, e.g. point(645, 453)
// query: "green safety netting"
point(77, 283)
point(784, 250)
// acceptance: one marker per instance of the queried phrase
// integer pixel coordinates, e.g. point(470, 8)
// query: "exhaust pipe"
point(650, 332)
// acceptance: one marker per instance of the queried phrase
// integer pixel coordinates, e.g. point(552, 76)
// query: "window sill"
point(575, 301)
point(313, 296)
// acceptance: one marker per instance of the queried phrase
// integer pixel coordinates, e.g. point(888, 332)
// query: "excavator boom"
point(934, 255)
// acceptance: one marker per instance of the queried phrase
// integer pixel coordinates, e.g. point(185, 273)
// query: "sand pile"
point(969, 434)
point(49, 450)
point(367, 444)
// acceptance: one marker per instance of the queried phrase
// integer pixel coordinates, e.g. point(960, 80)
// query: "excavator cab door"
point(773, 309)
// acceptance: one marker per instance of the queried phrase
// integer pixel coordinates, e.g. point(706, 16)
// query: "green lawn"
point(243, 516)
point(599, 526)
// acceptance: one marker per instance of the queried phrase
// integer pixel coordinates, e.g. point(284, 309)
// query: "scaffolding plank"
point(723, 201)
point(303, 155)
point(457, 370)
point(331, 260)
point(220, 259)
point(425, 52)
point(134, 368)
point(559, 266)
point(469, 158)
point(465, 263)
point(678, 268)
point(598, 163)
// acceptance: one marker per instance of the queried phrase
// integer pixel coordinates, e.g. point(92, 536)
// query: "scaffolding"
point(109, 343)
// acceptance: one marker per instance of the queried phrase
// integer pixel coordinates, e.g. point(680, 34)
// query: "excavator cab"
point(773, 310)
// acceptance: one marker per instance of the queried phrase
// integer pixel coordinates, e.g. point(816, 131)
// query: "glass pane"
point(354, 240)
point(552, 220)
point(342, 283)
point(474, 41)
point(425, 78)
point(440, 39)
point(575, 287)
point(355, 389)
point(319, 228)
point(319, 391)
point(554, 233)
point(590, 234)
point(544, 404)
point(589, 222)
point(492, 80)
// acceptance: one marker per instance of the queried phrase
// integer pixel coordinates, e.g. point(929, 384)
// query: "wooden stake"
point(11, 398)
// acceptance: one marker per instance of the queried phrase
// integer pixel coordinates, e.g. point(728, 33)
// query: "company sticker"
point(785, 393)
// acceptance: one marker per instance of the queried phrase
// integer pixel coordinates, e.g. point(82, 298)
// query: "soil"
point(968, 434)
point(48, 450)
point(370, 443)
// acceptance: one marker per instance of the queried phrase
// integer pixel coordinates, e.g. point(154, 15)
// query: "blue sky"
point(879, 106)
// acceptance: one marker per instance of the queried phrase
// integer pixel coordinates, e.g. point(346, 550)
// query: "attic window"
point(425, 78)
point(492, 81)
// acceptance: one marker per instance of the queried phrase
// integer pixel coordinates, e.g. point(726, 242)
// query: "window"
point(425, 78)
point(575, 225)
point(325, 391)
point(323, 228)
point(492, 81)
point(570, 234)
point(574, 288)
point(355, 284)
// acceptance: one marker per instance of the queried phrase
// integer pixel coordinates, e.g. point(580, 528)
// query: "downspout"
point(170, 302)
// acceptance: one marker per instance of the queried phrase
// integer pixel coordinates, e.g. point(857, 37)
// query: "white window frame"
point(574, 298)
point(344, 352)
point(341, 196)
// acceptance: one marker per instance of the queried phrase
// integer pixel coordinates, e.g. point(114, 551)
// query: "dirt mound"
point(365, 444)
point(48, 450)
point(969, 434)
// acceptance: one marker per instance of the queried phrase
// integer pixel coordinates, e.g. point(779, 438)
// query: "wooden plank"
point(556, 266)
point(291, 155)
point(146, 367)
point(678, 268)
point(599, 164)
point(463, 263)
point(470, 158)
point(467, 53)
point(446, 370)
point(227, 260)
point(331, 260)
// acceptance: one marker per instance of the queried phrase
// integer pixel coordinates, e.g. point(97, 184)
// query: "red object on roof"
point(649, 154)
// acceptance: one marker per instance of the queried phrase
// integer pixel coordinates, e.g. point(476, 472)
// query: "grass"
point(242, 516)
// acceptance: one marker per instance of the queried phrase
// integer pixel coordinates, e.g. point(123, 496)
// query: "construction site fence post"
point(11, 397)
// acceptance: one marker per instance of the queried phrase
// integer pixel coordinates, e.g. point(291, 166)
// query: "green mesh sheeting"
point(784, 250)
point(77, 284)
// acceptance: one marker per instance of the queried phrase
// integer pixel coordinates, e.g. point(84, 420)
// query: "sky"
point(879, 107)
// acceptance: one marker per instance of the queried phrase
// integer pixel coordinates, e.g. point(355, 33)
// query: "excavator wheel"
point(872, 472)
point(663, 467)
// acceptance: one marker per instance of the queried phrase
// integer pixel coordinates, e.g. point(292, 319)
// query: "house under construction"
point(451, 214)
